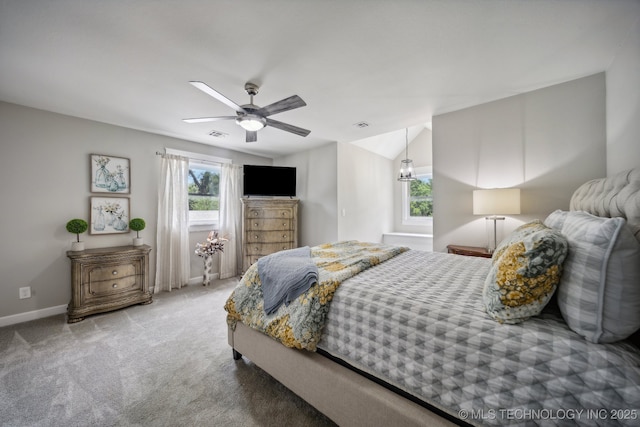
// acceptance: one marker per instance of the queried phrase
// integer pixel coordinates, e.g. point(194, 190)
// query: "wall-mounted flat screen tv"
point(269, 180)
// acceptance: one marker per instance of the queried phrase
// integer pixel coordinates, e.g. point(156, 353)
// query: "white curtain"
point(172, 257)
point(231, 219)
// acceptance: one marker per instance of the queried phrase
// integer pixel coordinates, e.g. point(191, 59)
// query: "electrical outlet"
point(25, 292)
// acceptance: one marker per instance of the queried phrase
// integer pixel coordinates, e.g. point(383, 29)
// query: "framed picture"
point(110, 174)
point(109, 215)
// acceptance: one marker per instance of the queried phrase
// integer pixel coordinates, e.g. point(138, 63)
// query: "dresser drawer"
point(262, 249)
point(115, 286)
point(112, 279)
point(270, 213)
point(259, 224)
point(269, 236)
point(109, 272)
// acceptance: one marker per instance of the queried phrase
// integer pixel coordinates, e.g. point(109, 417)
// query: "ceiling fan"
point(251, 117)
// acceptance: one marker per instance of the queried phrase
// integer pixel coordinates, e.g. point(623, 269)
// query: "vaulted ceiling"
point(390, 64)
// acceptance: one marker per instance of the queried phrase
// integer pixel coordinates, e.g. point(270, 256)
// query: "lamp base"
point(493, 242)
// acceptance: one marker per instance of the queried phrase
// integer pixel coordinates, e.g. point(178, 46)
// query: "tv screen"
point(269, 181)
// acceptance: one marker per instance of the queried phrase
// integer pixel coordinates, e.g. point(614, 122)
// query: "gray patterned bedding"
point(418, 322)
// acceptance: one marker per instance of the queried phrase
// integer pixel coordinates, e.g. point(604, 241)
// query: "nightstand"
point(469, 251)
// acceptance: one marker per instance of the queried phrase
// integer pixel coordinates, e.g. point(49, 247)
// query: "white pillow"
point(599, 292)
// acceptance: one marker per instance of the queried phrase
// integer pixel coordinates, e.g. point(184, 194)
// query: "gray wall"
point(365, 194)
point(316, 187)
point(623, 106)
point(546, 142)
point(44, 166)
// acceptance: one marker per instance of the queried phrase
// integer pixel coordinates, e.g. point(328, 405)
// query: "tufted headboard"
point(615, 196)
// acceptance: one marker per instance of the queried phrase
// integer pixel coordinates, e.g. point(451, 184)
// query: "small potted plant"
point(77, 226)
point(137, 225)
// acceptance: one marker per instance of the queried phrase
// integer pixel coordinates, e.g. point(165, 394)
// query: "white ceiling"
point(392, 64)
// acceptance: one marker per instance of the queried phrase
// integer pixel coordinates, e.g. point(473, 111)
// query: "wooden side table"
point(107, 279)
point(469, 251)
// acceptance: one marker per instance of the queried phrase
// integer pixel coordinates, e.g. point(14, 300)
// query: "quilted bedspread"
point(418, 322)
point(299, 325)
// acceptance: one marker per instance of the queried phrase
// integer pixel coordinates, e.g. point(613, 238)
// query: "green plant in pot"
point(137, 225)
point(77, 227)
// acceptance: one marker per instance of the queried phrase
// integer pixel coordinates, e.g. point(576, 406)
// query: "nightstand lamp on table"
point(494, 202)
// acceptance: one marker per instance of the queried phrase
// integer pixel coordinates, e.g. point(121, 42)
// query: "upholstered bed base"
point(346, 397)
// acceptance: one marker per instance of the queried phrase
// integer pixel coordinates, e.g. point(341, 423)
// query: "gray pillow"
point(599, 292)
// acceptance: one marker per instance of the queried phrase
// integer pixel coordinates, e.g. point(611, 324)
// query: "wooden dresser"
point(106, 279)
point(268, 226)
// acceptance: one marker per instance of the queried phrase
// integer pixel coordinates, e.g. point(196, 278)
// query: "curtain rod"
point(196, 159)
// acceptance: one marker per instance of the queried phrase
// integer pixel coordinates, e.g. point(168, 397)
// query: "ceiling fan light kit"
point(251, 117)
point(251, 122)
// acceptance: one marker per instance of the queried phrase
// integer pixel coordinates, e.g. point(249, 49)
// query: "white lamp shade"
point(497, 201)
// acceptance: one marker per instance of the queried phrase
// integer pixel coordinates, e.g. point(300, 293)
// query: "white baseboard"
point(32, 315)
point(52, 311)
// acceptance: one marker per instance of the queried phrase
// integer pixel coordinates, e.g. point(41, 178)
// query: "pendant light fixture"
point(406, 165)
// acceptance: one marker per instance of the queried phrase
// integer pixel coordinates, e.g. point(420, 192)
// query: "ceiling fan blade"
point(287, 127)
point(217, 95)
point(283, 105)
point(209, 119)
point(252, 136)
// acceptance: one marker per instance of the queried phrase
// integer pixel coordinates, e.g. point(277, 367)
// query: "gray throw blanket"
point(286, 275)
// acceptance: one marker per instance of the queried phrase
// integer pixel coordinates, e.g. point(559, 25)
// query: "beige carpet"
point(163, 364)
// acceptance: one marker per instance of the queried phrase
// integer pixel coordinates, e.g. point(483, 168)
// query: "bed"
point(423, 338)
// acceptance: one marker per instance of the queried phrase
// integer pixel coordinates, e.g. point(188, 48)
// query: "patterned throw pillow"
point(599, 297)
point(525, 273)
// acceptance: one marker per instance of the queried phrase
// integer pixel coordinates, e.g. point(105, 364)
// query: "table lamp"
point(494, 202)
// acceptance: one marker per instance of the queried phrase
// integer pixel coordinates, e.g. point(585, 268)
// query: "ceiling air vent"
point(217, 134)
point(361, 125)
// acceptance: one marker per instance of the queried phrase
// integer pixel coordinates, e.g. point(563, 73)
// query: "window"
point(417, 202)
point(204, 193)
point(204, 189)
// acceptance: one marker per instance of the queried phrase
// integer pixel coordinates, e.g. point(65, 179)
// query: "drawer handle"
point(284, 236)
point(114, 272)
point(256, 224)
point(115, 285)
point(256, 237)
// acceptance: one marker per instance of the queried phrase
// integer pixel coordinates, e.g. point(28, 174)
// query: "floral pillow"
point(525, 273)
